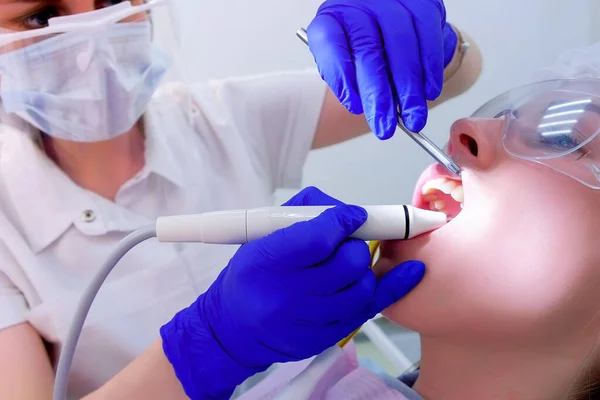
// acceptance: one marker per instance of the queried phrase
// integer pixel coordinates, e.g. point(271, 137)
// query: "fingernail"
point(351, 102)
point(433, 91)
point(383, 126)
point(355, 109)
point(415, 122)
point(358, 212)
point(412, 272)
point(348, 107)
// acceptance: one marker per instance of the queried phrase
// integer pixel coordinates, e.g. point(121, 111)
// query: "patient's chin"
point(382, 266)
point(393, 253)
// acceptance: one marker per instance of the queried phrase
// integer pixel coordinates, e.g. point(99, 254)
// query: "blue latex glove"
point(376, 55)
point(285, 297)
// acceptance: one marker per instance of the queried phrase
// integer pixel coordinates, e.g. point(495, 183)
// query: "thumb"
point(396, 284)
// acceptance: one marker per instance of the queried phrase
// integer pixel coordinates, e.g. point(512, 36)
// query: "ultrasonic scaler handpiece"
point(384, 222)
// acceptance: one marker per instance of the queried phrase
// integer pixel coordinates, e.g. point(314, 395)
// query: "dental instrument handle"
point(420, 138)
point(384, 222)
point(301, 33)
point(434, 151)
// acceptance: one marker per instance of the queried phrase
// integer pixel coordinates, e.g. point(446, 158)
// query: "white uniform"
point(224, 144)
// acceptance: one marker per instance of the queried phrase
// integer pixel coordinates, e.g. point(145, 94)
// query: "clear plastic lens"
point(554, 123)
point(20, 43)
point(18, 31)
point(24, 17)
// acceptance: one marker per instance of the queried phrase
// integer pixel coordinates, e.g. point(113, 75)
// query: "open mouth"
point(438, 190)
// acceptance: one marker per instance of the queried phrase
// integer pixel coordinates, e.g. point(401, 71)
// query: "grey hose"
point(68, 350)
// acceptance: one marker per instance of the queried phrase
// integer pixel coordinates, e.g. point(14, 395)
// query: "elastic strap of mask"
point(19, 124)
point(373, 248)
point(149, 15)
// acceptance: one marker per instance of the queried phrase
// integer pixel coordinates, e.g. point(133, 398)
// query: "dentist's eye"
point(108, 3)
point(40, 18)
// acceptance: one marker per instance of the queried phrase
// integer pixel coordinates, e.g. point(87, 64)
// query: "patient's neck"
point(459, 372)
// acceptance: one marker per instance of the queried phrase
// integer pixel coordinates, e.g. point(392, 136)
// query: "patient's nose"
point(475, 143)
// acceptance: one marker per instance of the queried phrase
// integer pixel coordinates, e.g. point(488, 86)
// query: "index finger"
point(374, 85)
point(402, 49)
point(311, 242)
point(312, 196)
point(329, 47)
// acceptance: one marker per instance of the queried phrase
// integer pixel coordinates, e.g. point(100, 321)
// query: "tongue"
point(450, 206)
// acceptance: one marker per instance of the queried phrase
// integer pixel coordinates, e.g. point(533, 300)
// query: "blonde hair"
point(588, 383)
point(575, 63)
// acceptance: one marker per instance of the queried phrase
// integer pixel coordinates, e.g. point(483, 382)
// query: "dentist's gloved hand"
point(285, 297)
point(376, 55)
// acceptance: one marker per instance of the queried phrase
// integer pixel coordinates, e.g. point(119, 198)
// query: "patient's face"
point(520, 261)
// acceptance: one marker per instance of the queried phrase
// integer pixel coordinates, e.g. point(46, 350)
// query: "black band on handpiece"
point(406, 222)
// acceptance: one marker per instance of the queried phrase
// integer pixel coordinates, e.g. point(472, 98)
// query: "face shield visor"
point(82, 76)
point(554, 123)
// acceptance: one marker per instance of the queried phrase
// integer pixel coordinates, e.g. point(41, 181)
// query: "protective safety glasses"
point(553, 123)
point(21, 31)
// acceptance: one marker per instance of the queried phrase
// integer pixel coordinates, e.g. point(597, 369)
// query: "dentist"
point(92, 148)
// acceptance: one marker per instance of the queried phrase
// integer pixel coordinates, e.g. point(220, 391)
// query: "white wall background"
point(594, 22)
point(236, 37)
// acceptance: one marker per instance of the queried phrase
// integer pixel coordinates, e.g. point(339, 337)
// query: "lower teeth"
point(437, 205)
point(440, 205)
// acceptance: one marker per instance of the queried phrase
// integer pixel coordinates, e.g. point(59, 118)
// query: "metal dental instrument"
point(426, 144)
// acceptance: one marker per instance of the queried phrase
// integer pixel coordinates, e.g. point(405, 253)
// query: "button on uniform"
point(88, 216)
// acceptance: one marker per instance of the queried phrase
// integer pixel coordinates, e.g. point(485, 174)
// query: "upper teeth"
point(458, 194)
point(447, 186)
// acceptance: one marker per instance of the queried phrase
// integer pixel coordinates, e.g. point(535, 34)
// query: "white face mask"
point(84, 86)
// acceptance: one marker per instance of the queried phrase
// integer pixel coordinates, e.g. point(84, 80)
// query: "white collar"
point(45, 199)
point(159, 155)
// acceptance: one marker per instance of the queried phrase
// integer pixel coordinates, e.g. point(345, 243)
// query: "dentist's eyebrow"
point(13, 11)
point(30, 2)
point(23, 1)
